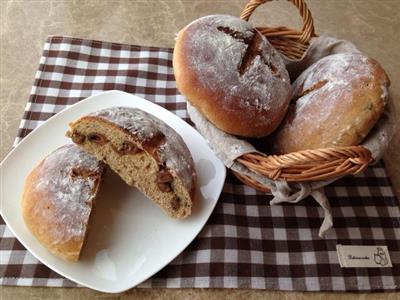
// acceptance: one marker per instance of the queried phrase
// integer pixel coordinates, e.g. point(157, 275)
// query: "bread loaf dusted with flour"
point(232, 75)
point(58, 198)
point(335, 103)
point(144, 151)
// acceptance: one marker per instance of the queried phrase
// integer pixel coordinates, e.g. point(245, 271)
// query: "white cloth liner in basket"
point(228, 147)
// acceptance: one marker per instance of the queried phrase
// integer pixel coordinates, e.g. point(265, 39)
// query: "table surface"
point(371, 24)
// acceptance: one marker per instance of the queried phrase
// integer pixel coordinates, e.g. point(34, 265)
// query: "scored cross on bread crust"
point(230, 72)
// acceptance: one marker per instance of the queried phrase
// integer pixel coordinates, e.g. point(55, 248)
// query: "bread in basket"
point(293, 176)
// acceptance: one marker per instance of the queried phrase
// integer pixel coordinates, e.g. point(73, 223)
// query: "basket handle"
point(303, 36)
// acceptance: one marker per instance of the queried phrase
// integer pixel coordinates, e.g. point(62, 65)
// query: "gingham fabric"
point(246, 243)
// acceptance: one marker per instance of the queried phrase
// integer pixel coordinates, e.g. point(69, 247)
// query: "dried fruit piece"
point(78, 138)
point(164, 187)
point(126, 148)
point(97, 138)
point(164, 176)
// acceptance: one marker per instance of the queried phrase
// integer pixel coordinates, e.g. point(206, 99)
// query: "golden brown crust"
point(61, 227)
point(336, 102)
point(33, 201)
point(232, 75)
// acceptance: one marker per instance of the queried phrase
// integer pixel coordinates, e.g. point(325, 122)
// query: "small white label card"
point(363, 256)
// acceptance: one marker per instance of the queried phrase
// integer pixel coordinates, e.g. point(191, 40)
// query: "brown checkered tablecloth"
point(246, 243)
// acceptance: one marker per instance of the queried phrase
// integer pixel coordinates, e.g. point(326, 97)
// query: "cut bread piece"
point(58, 199)
point(144, 151)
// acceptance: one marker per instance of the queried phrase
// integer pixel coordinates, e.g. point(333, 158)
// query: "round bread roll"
point(58, 198)
point(335, 103)
point(232, 75)
point(144, 151)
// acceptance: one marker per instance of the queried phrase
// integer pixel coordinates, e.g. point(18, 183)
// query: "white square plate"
point(130, 238)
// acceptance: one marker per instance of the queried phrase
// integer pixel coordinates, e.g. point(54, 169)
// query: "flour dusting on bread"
point(335, 102)
point(231, 73)
point(174, 153)
point(58, 199)
point(216, 56)
point(70, 194)
point(144, 151)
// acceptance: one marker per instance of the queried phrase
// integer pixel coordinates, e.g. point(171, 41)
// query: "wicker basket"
point(307, 165)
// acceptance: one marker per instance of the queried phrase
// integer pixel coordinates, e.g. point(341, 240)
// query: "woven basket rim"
point(306, 165)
